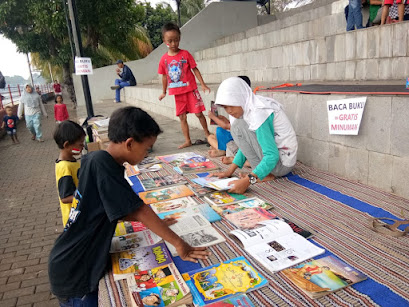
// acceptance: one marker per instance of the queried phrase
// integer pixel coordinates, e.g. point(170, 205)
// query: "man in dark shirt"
point(127, 79)
point(81, 253)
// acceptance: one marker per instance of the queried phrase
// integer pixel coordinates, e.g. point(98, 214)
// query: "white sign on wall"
point(83, 66)
point(344, 116)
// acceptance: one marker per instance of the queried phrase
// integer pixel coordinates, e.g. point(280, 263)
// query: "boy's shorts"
point(390, 2)
point(11, 132)
point(190, 102)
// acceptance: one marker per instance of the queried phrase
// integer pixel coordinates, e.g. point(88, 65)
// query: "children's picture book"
point(133, 240)
point(245, 204)
point(124, 227)
point(238, 300)
point(194, 167)
point(214, 110)
point(215, 183)
point(275, 245)
point(223, 198)
point(249, 218)
point(203, 209)
point(323, 276)
point(175, 204)
point(222, 281)
point(162, 181)
point(148, 161)
point(197, 231)
point(199, 190)
point(182, 157)
point(127, 263)
point(160, 286)
point(131, 170)
point(154, 196)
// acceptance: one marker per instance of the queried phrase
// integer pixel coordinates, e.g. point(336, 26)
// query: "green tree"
point(189, 8)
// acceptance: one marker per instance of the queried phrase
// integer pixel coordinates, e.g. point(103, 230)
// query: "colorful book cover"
point(192, 167)
point(182, 157)
point(199, 190)
point(131, 170)
point(239, 300)
point(161, 286)
point(133, 240)
point(124, 227)
point(127, 263)
point(214, 110)
point(223, 280)
point(150, 197)
point(249, 218)
point(320, 277)
point(223, 198)
point(180, 203)
point(246, 204)
point(203, 209)
point(162, 181)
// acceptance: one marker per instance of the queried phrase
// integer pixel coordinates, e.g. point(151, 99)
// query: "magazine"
point(174, 204)
point(203, 209)
point(245, 204)
point(197, 231)
point(131, 170)
point(238, 300)
point(199, 190)
point(148, 161)
point(249, 218)
point(276, 246)
point(124, 227)
point(194, 167)
point(223, 198)
point(323, 276)
point(221, 281)
point(161, 286)
point(154, 196)
point(182, 157)
point(127, 263)
point(215, 183)
point(214, 110)
point(152, 168)
point(133, 240)
point(162, 181)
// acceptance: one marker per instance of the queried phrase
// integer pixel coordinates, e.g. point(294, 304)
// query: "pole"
point(51, 72)
point(29, 69)
point(72, 8)
point(178, 8)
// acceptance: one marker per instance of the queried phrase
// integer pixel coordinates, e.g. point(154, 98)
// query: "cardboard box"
point(94, 146)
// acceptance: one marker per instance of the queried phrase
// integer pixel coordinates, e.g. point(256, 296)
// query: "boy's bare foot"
point(216, 153)
point(227, 160)
point(184, 145)
point(269, 177)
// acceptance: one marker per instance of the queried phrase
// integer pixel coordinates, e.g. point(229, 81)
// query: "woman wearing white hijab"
point(262, 132)
point(31, 104)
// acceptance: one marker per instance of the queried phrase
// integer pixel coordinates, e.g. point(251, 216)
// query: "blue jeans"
point(121, 84)
point(354, 15)
point(33, 123)
point(89, 300)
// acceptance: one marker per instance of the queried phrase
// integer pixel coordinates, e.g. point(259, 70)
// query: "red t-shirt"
point(57, 88)
point(178, 69)
point(60, 112)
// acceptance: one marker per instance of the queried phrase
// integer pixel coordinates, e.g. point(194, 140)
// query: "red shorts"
point(190, 102)
point(390, 2)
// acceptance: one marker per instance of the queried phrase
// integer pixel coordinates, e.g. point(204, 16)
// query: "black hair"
point(132, 122)
point(246, 79)
point(57, 97)
point(68, 131)
point(170, 26)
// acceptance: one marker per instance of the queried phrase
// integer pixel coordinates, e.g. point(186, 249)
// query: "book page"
point(133, 240)
point(222, 185)
point(190, 223)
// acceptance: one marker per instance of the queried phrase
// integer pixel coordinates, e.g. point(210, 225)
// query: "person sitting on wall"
point(127, 79)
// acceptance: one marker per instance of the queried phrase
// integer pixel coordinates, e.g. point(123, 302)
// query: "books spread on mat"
point(197, 231)
point(162, 181)
point(182, 157)
point(195, 167)
point(133, 240)
point(238, 300)
point(215, 183)
point(170, 205)
point(127, 263)
point(249, 218)
point(203, 209)
point(245, 204)
point(159, 286)
point(323, 276)
point(124, 227)
point(199, 190)
point(223, 198)
point(276, 246)
point(221, 281)
point(154, 196)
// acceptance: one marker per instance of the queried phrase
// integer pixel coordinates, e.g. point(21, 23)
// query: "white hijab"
point(32, 99)
point(236, 92)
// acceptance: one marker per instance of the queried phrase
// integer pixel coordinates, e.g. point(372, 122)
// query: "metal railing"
point(11, 94)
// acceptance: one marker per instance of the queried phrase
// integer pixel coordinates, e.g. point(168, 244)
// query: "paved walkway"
point(30, 218)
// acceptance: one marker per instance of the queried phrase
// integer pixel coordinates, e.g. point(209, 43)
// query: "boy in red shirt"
point(57, 87)
point(176, 68)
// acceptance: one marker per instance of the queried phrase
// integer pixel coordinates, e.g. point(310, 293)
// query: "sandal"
point(199, 142)
point(377, 225)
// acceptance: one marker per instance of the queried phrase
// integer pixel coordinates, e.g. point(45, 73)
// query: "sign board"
point(83, 66)
point(344, 116)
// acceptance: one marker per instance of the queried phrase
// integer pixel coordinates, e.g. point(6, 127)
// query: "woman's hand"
point(189, 253)
point(239, 186)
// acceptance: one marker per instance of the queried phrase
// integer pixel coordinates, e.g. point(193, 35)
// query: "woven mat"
point(336, 210)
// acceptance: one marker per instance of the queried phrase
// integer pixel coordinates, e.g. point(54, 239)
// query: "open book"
point(197, 231)
point(276, 246)
point(215, 183)
point(321, 277)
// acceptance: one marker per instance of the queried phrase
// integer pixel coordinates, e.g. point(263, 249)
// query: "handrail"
point(11, 93)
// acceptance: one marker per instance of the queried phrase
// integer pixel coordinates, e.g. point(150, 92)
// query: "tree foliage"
point(189, 8)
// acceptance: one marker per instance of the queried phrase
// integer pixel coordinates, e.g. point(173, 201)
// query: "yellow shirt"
point(66, 174)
